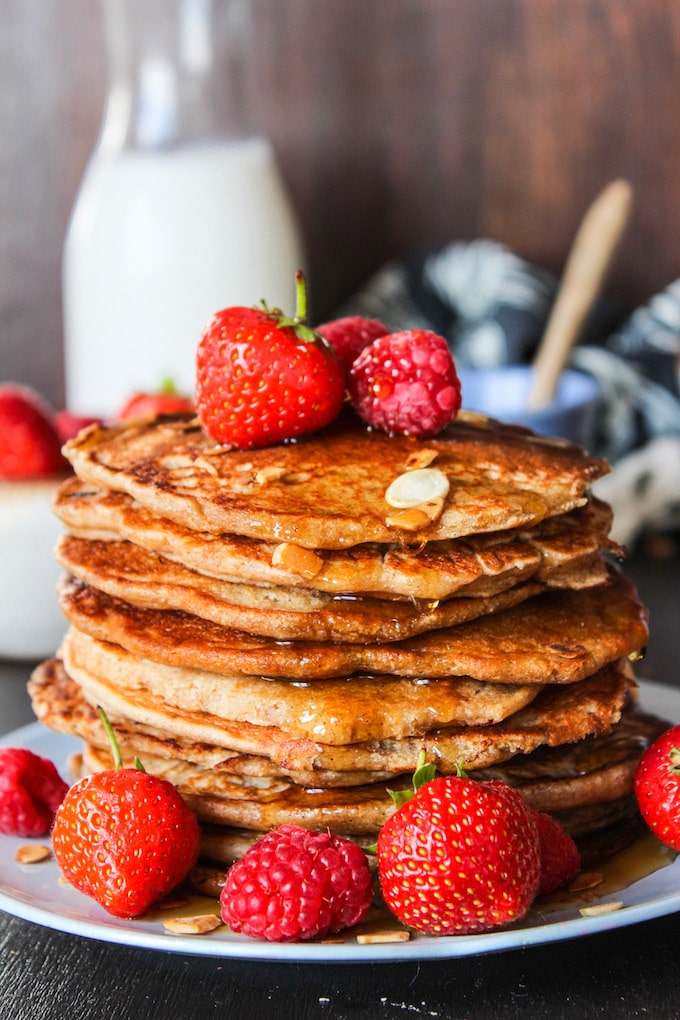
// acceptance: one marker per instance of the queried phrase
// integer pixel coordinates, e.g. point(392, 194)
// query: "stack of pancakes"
point(265, 630)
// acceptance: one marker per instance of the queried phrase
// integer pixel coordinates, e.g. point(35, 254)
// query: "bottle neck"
point(175, 72)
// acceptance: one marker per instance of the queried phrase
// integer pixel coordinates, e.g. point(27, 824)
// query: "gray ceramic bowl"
point(503, 392)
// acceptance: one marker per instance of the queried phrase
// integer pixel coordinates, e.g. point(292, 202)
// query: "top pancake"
point(330, 493)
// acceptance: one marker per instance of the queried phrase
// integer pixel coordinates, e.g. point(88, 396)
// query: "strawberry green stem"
point(300, 297)
point(115, 749)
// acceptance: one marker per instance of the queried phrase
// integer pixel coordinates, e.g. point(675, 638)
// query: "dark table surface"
point(629, 972)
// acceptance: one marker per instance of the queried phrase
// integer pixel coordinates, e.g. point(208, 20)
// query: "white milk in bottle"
point(174, 219)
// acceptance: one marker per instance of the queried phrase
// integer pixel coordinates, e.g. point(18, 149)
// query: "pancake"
point(340, 711)
point(558, 715)
point(327, 491)
point(59, 704)
point(556, 637)
point(479, 565)
point(550, 777)
point(227, 799)
point(148, 581)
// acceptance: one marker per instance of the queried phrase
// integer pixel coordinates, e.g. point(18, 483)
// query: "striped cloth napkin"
point(492, 306)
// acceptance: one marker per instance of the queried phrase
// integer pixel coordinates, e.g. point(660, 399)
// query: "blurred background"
point(397, 125)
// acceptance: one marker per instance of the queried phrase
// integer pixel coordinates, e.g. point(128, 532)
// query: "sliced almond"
point(586, 880)
point(207, 465)
point(31, 853)
point(296, 559)
point(415, 487)
point(198, 925)
point(433, 508)
point(421, 458)
point(601, 908)
point(414, 519)
point(379, 937)
point(273, 473)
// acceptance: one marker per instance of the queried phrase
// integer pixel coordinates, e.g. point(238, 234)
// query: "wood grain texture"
point(631, 972)
point(398, 124)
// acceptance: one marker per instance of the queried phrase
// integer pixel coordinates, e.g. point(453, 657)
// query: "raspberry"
point(406, 383)
point(349, 336)
point(560, 859)
point(31, 790)
point(295, 884)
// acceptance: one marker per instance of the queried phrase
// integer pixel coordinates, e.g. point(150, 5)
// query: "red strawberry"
point(149, 405)
point(31, 790)
point(406, 383)
point(30, 446)
point(349, 336)
point(295, 884)
point(560, 859)
point(263, 378)
point(657, 787)
point(124, 837)
point(459, 857)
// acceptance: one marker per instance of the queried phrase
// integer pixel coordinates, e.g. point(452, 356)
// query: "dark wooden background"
point(398, 124)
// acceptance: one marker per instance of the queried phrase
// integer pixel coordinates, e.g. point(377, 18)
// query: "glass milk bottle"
point(180, 211)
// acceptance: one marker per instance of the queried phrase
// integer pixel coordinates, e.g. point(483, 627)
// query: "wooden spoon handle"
point(592, 251)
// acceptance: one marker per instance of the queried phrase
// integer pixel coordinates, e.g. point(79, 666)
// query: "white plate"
point(33, 892)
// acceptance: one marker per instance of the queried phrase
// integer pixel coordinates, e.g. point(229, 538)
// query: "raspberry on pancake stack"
point(279, 631)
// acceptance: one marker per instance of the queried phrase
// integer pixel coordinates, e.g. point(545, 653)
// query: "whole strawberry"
point(30, 446)
point(560, 859)
point(31, 790)
point(262, 378)
point(348, 336)
point(295, 884)
point(459, 857)
point(406, 384)
point(166, 400)
point(124, 837)
point(657, 787)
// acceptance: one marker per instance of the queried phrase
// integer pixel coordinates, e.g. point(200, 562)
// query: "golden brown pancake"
point(480, 565)
point(556, 637)
point(149, 581)
point(339, 711)
point(227, 799)
point(327, 491)
point(558, 715)
point(59, 704)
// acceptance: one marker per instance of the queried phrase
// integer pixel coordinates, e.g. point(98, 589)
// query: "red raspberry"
point(560, 859)
point(31, 790)
point(406, 383)
point(295, 884)
point(349, 336)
